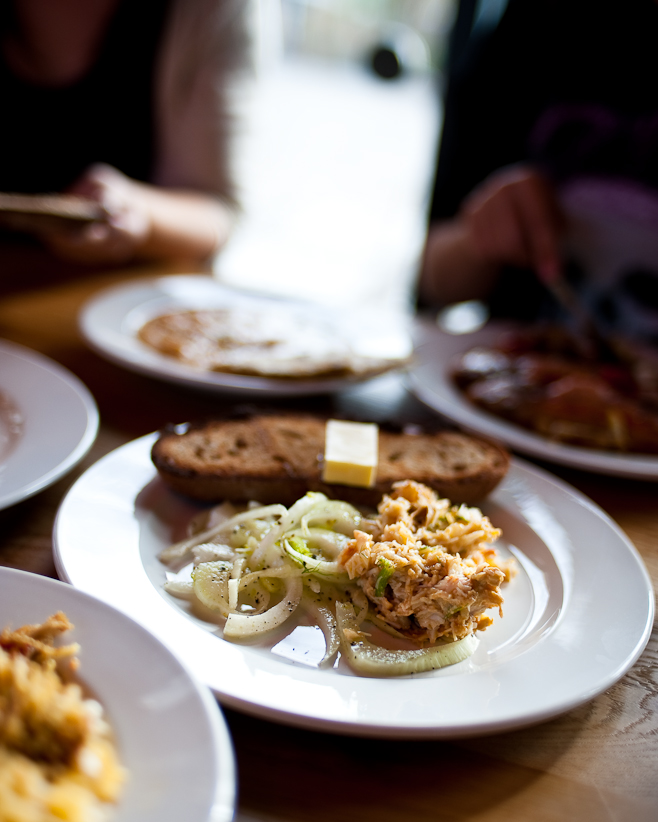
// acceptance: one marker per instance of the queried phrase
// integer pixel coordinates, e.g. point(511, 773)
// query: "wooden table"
point(598, 762)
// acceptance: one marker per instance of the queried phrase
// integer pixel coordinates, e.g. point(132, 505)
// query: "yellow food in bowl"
point(58, 760)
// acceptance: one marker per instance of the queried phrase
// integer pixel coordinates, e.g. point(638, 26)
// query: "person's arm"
point(451, 271)
point(201, 72)
point(184, 223)
point(494, 92)
point(142, 222)
point(512, 218)
point(189, 206)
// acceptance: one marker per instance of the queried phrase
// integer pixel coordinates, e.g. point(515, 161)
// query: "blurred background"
point(337, 127)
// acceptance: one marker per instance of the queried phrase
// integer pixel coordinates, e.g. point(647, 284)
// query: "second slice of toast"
point(278, 458)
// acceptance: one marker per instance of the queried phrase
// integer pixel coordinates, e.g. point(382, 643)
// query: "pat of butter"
point(350, 453)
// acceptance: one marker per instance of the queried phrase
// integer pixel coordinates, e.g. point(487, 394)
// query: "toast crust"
point(278, 458)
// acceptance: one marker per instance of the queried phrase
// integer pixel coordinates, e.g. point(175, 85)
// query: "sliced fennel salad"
point(256, 567)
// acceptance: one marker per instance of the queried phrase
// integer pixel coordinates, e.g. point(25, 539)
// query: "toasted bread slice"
point(278, 458)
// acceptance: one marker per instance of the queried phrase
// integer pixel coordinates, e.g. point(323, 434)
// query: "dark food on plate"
point(57, 758)
point(278, 458)
point(288, 343)
point(538, 380)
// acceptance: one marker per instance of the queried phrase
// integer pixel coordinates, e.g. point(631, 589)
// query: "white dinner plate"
point(48, 422)
point(429, 378)
point(111, 320)
point(171, 736)
point(561, 641)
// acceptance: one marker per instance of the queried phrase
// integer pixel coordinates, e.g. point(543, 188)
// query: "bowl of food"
point(98, 720)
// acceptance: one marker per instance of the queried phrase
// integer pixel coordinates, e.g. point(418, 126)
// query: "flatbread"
point(286, 344)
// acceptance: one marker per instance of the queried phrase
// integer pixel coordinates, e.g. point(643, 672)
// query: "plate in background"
point(48, 422)
point(429, 379)
point(110, 322)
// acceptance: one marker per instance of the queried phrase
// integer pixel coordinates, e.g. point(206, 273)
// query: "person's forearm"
point(183, 224)
point(451, 269)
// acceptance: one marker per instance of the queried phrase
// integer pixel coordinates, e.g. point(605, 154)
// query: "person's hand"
point(117, 237)
point(513, 218)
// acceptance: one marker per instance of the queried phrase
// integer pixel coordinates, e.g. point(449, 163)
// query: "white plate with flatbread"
point(111, 321)
point(559, 643)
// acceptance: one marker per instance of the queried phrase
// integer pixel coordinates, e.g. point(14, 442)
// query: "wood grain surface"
point(599, 762)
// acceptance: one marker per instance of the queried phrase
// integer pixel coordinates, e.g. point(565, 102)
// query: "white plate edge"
point(87, 439)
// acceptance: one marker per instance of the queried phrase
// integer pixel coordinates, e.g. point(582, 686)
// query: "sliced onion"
point(180, 550)
point(317, 567)
point(212, 552)
point(289, 521)
point(232, 586)
point(238, 567)
point(281, 572)
point(211, 585)
point(326, 621)
point(331, 543)
point(243, 626)
point(341, 516)
point(180, 588)
point(373, 660)
point(211, 517)
point(262, 597)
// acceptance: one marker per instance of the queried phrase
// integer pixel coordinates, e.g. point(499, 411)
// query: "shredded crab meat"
point(441, 572)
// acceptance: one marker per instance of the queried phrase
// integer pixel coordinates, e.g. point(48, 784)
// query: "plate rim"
point(157, 366)
point(405, 730)
point(477, 421)
point(87, 437)
point(224, 789)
